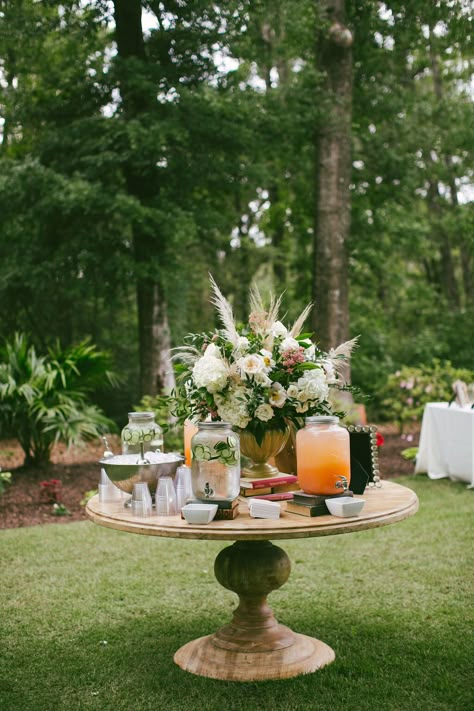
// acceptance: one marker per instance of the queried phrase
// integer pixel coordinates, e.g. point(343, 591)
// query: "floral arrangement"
point(259, 377)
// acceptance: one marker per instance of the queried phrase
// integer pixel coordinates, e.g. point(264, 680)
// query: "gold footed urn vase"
point(272, 443)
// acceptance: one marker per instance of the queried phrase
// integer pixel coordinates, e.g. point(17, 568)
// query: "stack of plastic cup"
point(141, 499)
point(108, 492)
point(165, 497)
point(183, 486)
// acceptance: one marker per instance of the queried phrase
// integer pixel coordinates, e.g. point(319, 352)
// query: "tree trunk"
point(446, 254)
point(333, 171)
point(156, 373)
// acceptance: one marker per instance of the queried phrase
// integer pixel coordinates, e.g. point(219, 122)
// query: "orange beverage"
point(323, 456)
point(190, 429)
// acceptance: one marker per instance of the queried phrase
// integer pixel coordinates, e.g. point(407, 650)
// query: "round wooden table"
point(254, 646)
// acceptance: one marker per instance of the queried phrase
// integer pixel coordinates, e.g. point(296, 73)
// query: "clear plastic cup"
point(166, 497)
point(184, 489)
point(108, 492)
point(141, 499)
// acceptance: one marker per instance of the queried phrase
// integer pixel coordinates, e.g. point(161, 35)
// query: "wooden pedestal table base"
point(254, 646)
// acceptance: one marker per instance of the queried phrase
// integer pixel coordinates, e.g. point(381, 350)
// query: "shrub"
point(5, 480)
point(44, 399)
point(408, 390)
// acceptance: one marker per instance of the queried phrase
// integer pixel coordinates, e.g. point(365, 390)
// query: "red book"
point(285, 496)
point(271, 481)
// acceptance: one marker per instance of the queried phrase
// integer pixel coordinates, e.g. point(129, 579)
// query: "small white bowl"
point(199, 513)
point(345, 506)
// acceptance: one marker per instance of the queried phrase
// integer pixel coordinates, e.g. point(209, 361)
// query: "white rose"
point(310, 352)
point(262, 379)
point(264, 412)
point(278, 395)
point(292, 391)
point(242, 346)
point(251, 364)
point(288, 344)
point(302, 407)
point(212, 351)
point(210, 372)
point(278, 329)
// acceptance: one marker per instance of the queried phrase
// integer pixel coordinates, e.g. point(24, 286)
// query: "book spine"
point(227, 514)
point(252, 492)
point(264, 483)
point(286, 496)
point(312, 511)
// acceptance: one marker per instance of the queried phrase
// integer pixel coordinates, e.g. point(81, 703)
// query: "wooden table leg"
point(254, 646)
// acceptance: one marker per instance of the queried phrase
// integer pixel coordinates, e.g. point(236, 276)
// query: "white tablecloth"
point(447, 442)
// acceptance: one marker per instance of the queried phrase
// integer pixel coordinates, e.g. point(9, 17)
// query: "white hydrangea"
point(233, 408)
point(313, 386)
point(264, 412)
point(211, 373)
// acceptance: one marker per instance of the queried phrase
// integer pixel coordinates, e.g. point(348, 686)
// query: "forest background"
point(146, 144)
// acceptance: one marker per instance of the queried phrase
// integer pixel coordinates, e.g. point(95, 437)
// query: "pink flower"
point(292, 357)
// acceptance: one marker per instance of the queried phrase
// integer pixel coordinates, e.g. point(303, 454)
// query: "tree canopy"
point(145, 144)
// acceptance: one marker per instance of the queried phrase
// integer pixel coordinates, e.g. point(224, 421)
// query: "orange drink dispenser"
point(190, 429)
point(323, 456)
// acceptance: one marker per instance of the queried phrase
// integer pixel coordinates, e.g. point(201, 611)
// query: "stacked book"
point(275, 488)
point(311, 504)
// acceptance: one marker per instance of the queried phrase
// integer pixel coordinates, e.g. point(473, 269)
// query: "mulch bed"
point(78, 471)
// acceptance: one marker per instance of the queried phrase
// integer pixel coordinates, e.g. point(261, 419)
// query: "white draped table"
point(447, 442)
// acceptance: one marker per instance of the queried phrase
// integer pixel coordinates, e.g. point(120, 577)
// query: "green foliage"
point(68, 263)
point(60, 510)
point(87, 496)
point(409, 389)
point(5, 480)
point(410, 453)
point(45, 399)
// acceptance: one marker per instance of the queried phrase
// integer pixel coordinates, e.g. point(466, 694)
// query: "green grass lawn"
point(90, 617)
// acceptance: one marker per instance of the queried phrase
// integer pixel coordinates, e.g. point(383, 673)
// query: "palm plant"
point(44, 399)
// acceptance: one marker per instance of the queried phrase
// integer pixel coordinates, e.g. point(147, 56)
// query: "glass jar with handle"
point(215, 462)
point(323, 456)
point(141, 427)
